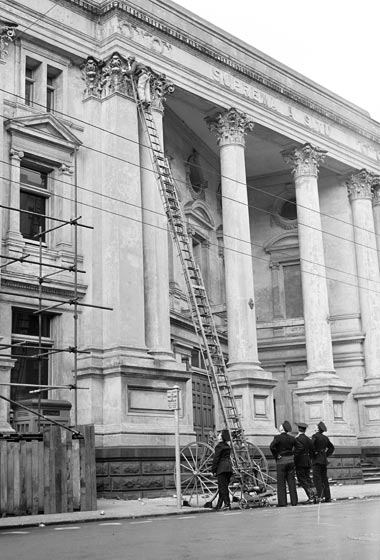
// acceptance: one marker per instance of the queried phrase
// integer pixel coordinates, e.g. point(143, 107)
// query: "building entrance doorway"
point(203, 407)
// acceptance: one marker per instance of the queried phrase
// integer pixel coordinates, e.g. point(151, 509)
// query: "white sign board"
point(173, 403)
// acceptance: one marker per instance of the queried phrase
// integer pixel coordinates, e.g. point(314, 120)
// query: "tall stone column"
point(322, 392)
point(155, 243)
point(360, 187)
point(251, 383)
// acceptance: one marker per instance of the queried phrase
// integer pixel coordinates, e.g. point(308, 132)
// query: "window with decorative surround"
point(34, 199)
point(28, 369)
point(44, 81)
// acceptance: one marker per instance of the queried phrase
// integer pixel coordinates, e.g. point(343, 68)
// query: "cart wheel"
point(258, 458)
point(198, 486)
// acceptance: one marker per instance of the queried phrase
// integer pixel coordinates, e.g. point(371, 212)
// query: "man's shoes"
point(311, 501)
point(225, 508)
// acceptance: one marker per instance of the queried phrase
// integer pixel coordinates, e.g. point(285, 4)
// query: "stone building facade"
point(279, 182)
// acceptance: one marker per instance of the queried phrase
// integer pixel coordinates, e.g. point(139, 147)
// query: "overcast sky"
point(336, 43)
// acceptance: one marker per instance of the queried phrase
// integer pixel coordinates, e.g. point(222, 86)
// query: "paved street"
point(343, 530)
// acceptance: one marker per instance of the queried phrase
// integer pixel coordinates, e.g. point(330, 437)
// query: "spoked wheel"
point(198, 486)
point(260, 470)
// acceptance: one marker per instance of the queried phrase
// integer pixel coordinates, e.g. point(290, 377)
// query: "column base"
point(368, 398)
point(164, 358)
point(6, 428)
point(323, 396)
point(253, 391)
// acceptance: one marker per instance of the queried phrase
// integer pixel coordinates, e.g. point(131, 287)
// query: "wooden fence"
point(52, 475)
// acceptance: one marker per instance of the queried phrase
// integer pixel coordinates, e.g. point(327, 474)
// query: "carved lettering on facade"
point(152, 41)
point(268, 101)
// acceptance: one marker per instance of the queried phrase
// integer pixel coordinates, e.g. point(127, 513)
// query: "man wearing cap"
point(302, 459)
point(282, 448)
point(323, 448)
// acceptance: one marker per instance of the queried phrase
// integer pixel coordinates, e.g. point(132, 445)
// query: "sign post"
point(174, 404)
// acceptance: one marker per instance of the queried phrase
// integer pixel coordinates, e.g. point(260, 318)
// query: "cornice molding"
point(203, 48)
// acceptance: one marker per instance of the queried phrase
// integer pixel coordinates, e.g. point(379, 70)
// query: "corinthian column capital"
point(7, 35)
point(230, 126)
point(304, 160)
point(360, 184)
point(160, 88)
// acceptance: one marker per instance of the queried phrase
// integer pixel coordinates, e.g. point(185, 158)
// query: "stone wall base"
point(148, 472)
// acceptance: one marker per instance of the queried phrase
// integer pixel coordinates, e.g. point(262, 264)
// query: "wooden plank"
point(75, 465)
point(52, 466)
point(35, 476)
point(41, 475)
point(22, 499)
point(82, 472)
point(69, 472)
point(3, 477)
point(56, 432)
point(28, 477)
point(10, 481)
point(62, 469)
point(88, 490)
point(91, 458)
point(46, 469)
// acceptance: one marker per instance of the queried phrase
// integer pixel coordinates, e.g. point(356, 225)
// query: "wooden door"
point(203, 407)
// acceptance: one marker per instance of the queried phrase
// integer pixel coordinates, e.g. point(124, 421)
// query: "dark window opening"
point(289, 210)
point(28, 368)
point(33, 200)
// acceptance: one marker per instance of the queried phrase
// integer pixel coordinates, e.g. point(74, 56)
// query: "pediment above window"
point(199, 216)
point(283, 247)
point(44, 136)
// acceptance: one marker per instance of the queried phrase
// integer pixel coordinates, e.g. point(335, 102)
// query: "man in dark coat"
point(302, 459)
point(323, 448)
point(282, 448)
point(222, 469)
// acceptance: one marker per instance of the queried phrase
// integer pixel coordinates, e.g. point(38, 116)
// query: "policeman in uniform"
point(302, 459)
point(323, 448)
point(282, 448)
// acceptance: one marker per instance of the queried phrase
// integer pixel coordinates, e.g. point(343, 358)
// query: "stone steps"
point(371, 473)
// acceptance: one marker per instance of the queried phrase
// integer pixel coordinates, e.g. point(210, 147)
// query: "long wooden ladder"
point(200, 308)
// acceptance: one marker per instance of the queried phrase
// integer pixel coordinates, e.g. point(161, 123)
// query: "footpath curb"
point(116, 510)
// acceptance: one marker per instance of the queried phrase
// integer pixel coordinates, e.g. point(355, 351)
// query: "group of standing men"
point(297, 455)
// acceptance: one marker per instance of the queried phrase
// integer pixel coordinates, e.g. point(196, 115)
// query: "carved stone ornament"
point(160, 88)
point(7, 35)
point(230, 126)
point(91, 73)
point(304, 160)
point(115, 75)
point(361, 184)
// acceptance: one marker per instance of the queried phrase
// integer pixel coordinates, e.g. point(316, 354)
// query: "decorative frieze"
point(304, 160)
point(7, 35)
point(230, 127)
point(125, 75)
point(361, 184)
